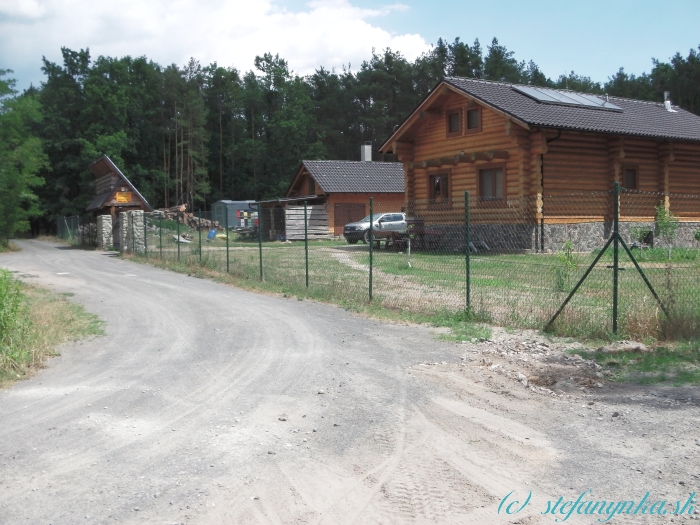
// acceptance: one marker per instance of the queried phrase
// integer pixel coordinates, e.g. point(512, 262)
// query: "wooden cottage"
point(114, 193)
point(338, 192)
point(506, 143)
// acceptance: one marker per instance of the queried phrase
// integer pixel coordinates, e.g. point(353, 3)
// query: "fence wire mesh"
point(67, 227)
point(80, 231)
point(512, 262)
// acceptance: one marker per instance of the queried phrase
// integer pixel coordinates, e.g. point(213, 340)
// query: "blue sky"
point(593, 38)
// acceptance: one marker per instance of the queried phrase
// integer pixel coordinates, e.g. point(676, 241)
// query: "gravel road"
point(208, 404)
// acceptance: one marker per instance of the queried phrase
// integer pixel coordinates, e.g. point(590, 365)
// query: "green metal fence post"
point(177, 219)
point(133, 237)
point(199, 226)
point(467, 242)
point(145, 234)
point(160, 236)
point(227, 257)
point(260, 240)
point(306, 242)
point(616, 245)
point(578, 284)
point(371, 242)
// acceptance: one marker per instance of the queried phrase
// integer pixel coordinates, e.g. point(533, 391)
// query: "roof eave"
point(618, 133)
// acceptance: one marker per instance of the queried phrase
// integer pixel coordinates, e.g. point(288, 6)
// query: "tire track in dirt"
point(400, 291)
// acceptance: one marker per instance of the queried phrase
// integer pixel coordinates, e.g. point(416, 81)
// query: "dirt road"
point(208, 404)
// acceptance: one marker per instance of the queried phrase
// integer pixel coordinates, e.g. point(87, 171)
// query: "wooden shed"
point(114, 193)
point(340, 190)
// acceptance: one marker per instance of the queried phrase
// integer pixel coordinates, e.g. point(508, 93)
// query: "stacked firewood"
point(189, 219)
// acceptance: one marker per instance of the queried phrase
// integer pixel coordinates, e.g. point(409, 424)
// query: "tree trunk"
point(221, 152)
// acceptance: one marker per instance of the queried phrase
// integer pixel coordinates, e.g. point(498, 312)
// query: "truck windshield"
point(366, 219)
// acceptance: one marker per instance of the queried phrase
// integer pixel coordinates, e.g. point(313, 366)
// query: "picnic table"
point(247, 233)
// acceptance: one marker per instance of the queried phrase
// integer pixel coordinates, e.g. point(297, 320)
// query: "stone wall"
point(585, 236)
point(593, 235)
point(131, 232)
point(104, 232)
point(524, 238)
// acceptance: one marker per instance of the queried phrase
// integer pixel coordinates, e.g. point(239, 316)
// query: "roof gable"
point(104, 166)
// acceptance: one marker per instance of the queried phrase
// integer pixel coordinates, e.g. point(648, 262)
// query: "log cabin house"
point(524, 150)
point(114, 193)
point(337, 192)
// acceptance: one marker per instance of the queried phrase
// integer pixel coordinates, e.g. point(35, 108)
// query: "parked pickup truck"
point(383, 222)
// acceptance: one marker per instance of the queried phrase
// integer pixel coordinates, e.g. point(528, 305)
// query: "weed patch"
point(678, 364)
point(33, 322)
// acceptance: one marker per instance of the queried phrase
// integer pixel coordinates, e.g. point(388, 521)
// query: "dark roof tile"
point(344, 176)
point(644, 119)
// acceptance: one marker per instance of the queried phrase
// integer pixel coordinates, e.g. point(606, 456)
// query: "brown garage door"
point(345, 213)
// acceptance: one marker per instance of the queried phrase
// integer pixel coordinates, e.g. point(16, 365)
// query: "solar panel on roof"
point(552, 96)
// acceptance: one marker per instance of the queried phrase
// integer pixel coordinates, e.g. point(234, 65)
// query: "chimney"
point(667, 102)
point(366, 152)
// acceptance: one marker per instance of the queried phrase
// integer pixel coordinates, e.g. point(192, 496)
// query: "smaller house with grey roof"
point(336, 192)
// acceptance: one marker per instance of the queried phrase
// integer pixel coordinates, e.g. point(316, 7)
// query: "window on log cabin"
point(631, 180)
point(491, 184)
point(454, 124)
point(473, 120)
point(439, 188)
point(312, 186)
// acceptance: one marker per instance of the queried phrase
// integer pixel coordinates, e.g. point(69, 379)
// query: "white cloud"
point(327, 32)
point(20, 9)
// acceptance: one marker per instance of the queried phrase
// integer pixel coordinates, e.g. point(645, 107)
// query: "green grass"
point(33, 322)
point(462, 325)
point(8, 247)
point(678, 255)
point(516, 290)
point(330, 282)
point(678, 365)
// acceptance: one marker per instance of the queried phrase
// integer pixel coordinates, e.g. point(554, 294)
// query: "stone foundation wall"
point(131, 223)
point(593, 235)
point(523, 238)
point(585, 236)
point(104, 232)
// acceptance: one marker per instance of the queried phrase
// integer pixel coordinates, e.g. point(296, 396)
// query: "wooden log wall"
point(684, 168)
point(317, 222)
point(432, 144)
point(481, 212)
point(105, 183)
point(543, 164)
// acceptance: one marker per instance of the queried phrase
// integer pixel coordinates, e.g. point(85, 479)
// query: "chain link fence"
point(81, 231)
point(514, 262)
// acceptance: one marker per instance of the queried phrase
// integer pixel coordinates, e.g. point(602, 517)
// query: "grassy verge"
point(52, 238)
point(344, 291)
point(677, 365)
point(9, 247)
point(33, 322)
point(514, 290)
point(73, 243)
